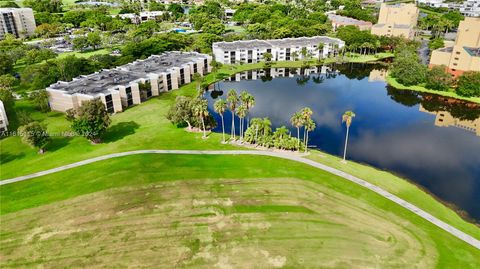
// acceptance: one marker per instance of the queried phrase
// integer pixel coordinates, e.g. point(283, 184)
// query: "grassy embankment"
point(145, 127)
point(418, 88)
point(214, 210)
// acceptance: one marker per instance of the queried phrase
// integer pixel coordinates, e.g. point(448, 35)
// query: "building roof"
point(103, 81)
point(337, 19)
point(475, 52)
point(268, 43)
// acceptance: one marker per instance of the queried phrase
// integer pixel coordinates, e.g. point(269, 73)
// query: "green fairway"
point(183, 210)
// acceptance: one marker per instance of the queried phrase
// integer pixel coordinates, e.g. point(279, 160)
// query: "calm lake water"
point(428, 139)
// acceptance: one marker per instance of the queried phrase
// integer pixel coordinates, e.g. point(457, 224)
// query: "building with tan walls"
point(464, 55)
point(445, 119)
point(396, 20)
point(130, 84)
point(17, 21)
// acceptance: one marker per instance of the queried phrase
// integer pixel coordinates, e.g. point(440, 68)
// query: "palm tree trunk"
point(298, 137)
point(203, 125)
point(223, 128)
point(346, 142)
point(306, 143)
point(233, 126)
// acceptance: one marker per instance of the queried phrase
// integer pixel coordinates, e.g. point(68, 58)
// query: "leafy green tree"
point(40, 99)
point(176, 9)
point(215, 28)
point(436, 43)
point(38, 55)
point(8, 100)
point(155, 6)
point(7, 81)
point(438, 79)
point(181, 113)
point(233, 100)
point(407, 69)
point(34, 135)
point(94, 39)
point(469, 84)
point(6, 64)
point(91, 120)
point(51, 6)
point(198, 79)
point(347, 117)
point(220, 107)
point(80, 43)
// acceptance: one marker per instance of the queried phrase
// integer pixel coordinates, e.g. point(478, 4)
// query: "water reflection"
point(394, 129)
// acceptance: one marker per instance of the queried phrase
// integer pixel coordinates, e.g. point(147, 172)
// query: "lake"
point(431, 140)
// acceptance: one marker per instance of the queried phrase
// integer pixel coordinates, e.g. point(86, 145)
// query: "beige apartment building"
point(130, 84)
point(464, 55)
point(396, 20)
point(16, 21)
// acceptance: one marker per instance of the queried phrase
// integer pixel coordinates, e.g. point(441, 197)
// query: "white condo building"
point(252, 51)
point(16, 21)
point(468, 8)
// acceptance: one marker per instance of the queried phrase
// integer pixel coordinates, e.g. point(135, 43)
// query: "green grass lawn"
point(392, 81)
point(84, 54)
point(145, 127)
point(233, 206)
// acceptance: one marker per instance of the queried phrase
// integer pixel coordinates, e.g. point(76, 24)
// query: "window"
point(128, 92)
point(109, 103)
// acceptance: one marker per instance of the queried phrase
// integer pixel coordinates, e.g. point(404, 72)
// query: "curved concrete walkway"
point(450, 229)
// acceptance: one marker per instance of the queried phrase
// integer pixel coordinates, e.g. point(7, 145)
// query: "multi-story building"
point(130, 84)
point(469, 8)
point(287, 49)
point(464, 55)
point(3, 118)
point(338, 21)
point(396, 20)
point(17, 21)
point(142, 16)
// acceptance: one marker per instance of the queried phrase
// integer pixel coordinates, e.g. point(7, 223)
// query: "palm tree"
point(220, 107)
point(306, 115)
point(347, 118)
point(198, 83)
point(267, 128)
point(200, 110)
point(256, 123)
point(297, 121)
point(232, 99)
point(241, 112)
point(248, 100)
point(320, 50)
point(309, 126)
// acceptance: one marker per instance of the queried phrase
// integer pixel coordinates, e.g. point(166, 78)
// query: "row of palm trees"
point(239, 105)
point(259, 130)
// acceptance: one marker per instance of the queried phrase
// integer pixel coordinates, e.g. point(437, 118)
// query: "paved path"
point(450, 229)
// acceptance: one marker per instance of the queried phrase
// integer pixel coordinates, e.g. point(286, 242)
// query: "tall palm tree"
point(306, 113)
point(220, 107)
point(232, 99)
point(347, 118)
point(200, 110)
point(267, 128)
point(297, 121)
point(248, 100)
point(309, 126)
point(242, 112)
point(198, 83)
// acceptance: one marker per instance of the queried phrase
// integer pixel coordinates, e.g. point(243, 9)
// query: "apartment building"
point(16, 21)
point(396, 20)
point(3, 118)
point(252, 51)
point(464, 55)
point(468, 8)
point(130, 84)
point(142, 16)
point(338, 21)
